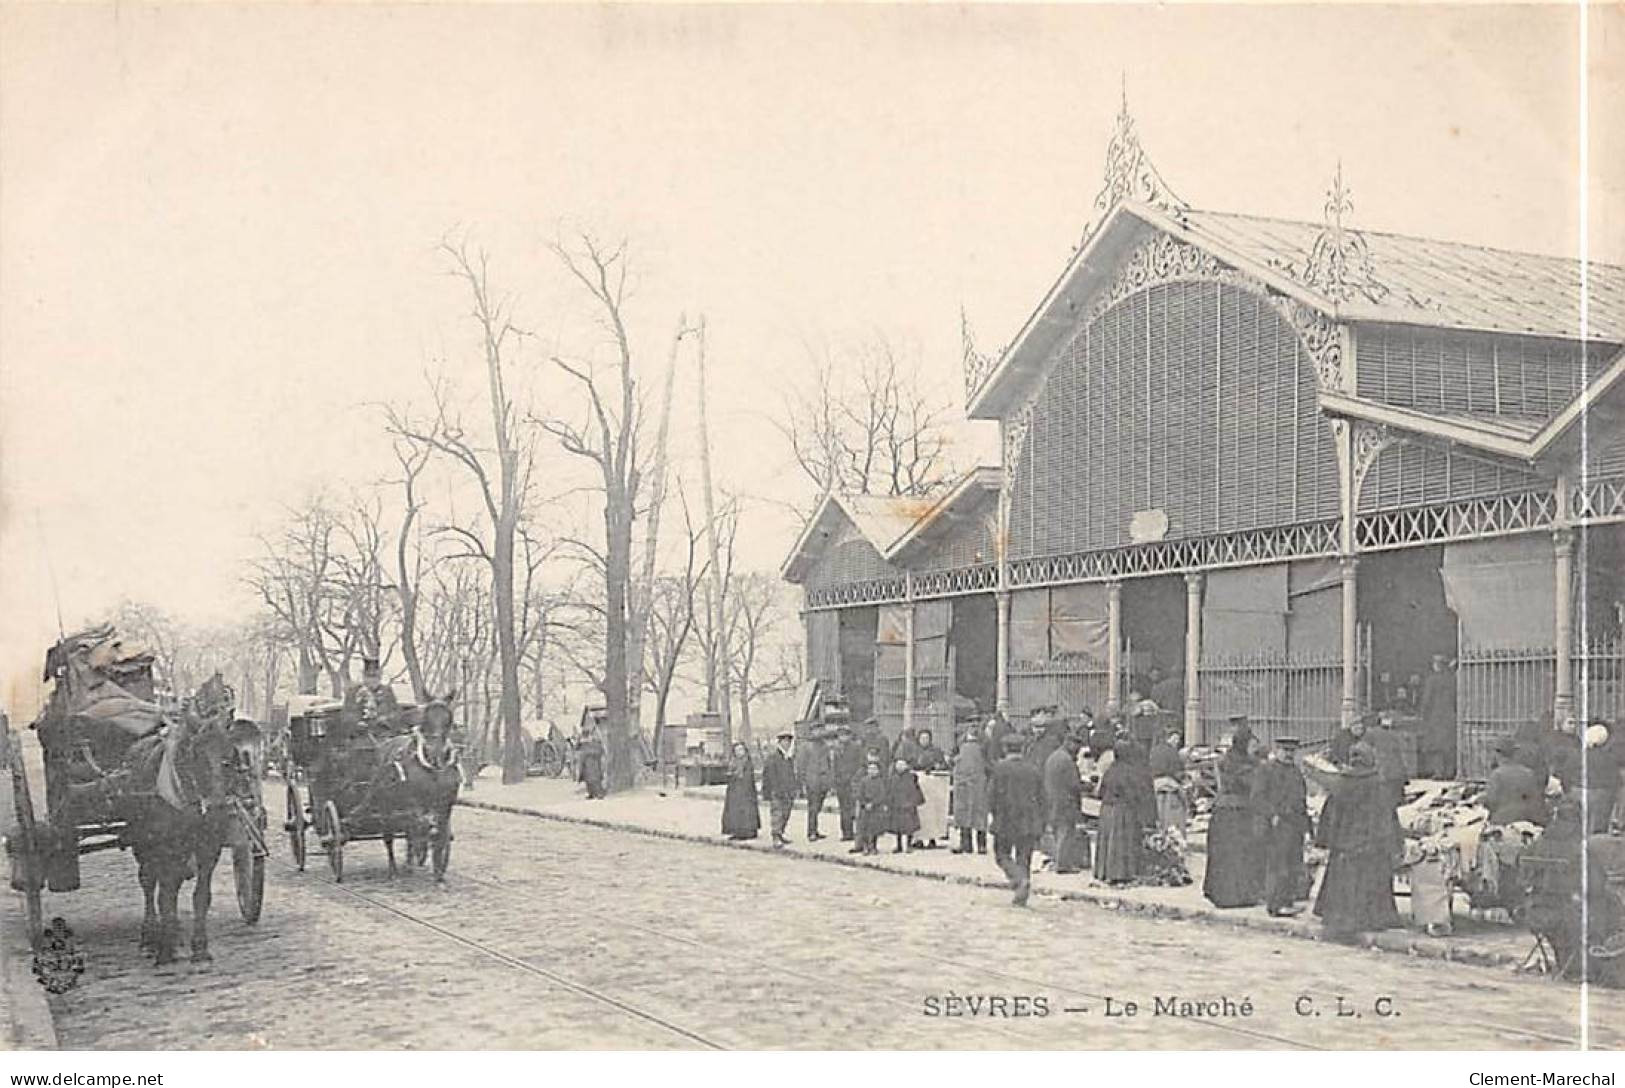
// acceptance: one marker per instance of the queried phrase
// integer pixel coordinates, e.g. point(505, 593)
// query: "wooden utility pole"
point(719, 611)
point(643, 591)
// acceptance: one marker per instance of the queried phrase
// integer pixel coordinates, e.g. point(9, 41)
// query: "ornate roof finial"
point(1339, 264)
point(1129, 173)
point(977, 365)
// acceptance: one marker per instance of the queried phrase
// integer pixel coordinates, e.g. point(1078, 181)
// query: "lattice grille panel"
point(1492, 516)
point(1193, 398)
point(1230, 550)
point(953, 583)
point(1599, 500)
point(879, 591)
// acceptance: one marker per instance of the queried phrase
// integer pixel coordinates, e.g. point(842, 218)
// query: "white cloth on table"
point(934, 812)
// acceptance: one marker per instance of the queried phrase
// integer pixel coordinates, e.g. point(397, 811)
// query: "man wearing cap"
point(1016, 799)
point(1048, 730)
point(1280, 796)
point(816, 774)
point(779, 783)
point(1063, 796)
point(847, 764)
point(1439, 720)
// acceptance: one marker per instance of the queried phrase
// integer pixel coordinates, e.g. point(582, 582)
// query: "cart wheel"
point(442, 845)
point(27, 863)
point(296, 825)
point(335, 841)
point(248, 869)
point(552, 763)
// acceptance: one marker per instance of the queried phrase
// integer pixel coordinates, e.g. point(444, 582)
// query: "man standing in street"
point(1281, 798)
point(1017, 801)
point(1439, 720)
point(847, 762)
point(779, 784)
point(815, 773)
point(1063, 796)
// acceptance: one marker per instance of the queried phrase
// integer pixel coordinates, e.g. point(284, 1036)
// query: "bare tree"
point(763, 663)
point(413, 458)
point(865, 424)
point(296, 577)
point(608, 439)
point(501, 473)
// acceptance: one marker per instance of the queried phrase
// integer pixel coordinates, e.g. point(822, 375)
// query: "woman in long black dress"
point(1357, 893)
point(1235, 851)
point(741, 814)
point(1127, 807)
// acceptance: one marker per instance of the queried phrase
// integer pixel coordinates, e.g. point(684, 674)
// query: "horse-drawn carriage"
point(356, 771)
point(174, 784)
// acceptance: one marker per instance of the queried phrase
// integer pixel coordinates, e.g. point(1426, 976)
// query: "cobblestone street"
point(548, 935)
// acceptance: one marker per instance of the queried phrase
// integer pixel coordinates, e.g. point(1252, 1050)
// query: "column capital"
point(1348, 565)
point(1563, 540)
point(1194, 580)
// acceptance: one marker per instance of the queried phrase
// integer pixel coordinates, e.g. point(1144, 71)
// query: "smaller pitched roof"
point(880, 518)
point(940, 518)
point(891, 523)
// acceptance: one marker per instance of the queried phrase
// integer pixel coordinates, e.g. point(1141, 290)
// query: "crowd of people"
point(1018, 790)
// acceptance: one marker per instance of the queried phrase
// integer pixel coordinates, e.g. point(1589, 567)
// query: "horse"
point(419, 776)
point(181, 801)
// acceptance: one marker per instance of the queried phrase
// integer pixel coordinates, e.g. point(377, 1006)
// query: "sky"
point(218, 223)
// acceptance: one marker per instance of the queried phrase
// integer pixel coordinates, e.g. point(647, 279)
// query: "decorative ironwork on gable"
point(1162, 258)
point(1130, 174)
point(977, 364)
point(1339, 262)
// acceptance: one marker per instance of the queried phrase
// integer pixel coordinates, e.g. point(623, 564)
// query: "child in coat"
point(906, 799)
point(872, 793)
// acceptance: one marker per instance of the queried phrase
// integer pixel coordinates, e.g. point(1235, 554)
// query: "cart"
point(103, 700)
point(339, 787)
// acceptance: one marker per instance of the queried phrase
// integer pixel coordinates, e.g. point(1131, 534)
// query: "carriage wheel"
point(248, 870)
point(296, 825)
point(552, 762)
point(335, 841)
point(442, 845)
point(28, 865)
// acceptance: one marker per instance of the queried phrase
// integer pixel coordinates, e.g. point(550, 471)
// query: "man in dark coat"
point(816, 774)
point(1063, 797)
point(847, 762)
point(1281, 798)
point(1016, 798)
point(1513, 794)
point(1439, 720)
point(1048, 729)
point(779, 784)
point(590, 764)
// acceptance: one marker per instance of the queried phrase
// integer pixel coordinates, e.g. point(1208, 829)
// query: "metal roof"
point(880, 518)
point(1437, 283)
point(1445, 285)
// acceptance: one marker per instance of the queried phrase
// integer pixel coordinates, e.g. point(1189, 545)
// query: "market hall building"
point(1257, 466)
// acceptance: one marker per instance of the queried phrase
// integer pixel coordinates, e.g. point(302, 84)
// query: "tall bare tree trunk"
point(619, 772)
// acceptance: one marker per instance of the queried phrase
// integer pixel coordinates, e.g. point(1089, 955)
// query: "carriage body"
point(345, 776)
point(104, 713)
